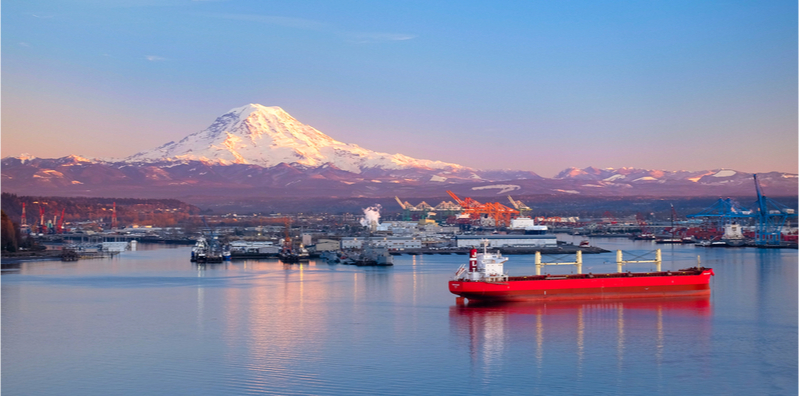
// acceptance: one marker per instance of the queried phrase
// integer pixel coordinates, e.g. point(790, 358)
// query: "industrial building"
point(326, 245)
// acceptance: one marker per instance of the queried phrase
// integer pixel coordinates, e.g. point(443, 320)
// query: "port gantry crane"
point(500, 213)
point(771, 217)
point(524, 210)
point(721, 213)
point(406, 209)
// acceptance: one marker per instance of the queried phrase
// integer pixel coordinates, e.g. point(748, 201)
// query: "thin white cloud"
point(297, 23)
point(42, 16)
point(307, 24)
point(154, 58)
point(379, 37)
point(24, 44)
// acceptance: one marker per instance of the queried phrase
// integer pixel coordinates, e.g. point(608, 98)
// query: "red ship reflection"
point(690, 305)
point(593, 328)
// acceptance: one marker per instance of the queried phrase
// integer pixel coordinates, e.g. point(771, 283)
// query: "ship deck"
point(683, 272)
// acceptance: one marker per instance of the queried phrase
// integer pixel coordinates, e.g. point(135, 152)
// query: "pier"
point(561, 249)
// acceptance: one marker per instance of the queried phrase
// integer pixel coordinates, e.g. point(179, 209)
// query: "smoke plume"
point(371, 216)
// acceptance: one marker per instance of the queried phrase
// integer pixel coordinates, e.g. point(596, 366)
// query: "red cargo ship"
point(484, 280)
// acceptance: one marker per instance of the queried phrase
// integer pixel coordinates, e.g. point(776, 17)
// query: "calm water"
point(151, 322)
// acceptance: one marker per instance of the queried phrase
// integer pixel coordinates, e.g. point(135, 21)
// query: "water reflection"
point(585, 330)
point(10, 268)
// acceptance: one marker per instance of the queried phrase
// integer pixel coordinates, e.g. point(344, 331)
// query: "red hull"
point(686, 282)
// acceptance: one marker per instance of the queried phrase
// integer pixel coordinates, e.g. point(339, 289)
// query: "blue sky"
point(540, 85)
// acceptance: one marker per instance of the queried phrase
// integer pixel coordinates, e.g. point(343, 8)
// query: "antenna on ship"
point(698, 262)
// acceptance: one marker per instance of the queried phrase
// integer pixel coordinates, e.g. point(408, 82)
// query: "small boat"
point(708, 243)
point(669, 240)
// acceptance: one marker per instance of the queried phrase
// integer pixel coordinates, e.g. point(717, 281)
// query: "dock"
point(561, 249)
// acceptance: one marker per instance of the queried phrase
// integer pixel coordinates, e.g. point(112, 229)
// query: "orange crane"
point(287, 239)
point(500, 213)
point(114, 217)
point(287, 225)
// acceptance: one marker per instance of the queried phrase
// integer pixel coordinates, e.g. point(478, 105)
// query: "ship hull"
point(583, 287)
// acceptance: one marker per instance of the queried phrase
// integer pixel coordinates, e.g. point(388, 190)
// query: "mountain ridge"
point(255, 149)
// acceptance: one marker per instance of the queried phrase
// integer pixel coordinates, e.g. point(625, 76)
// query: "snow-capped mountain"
point(262, 151)
point(633, 175)
point(268, 136)
point(596, 177)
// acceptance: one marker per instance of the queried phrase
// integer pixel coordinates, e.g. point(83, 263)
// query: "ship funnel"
point(473, 260)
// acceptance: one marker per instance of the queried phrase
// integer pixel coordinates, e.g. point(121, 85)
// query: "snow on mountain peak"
point(267, 136)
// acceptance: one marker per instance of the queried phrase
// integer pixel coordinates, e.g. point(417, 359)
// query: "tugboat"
point(292, 256)
point(484, 280)
point(199, 250)
point(207, 251)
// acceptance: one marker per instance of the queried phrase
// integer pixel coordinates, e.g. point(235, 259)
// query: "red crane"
point(41, 218)
point(60, 224)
